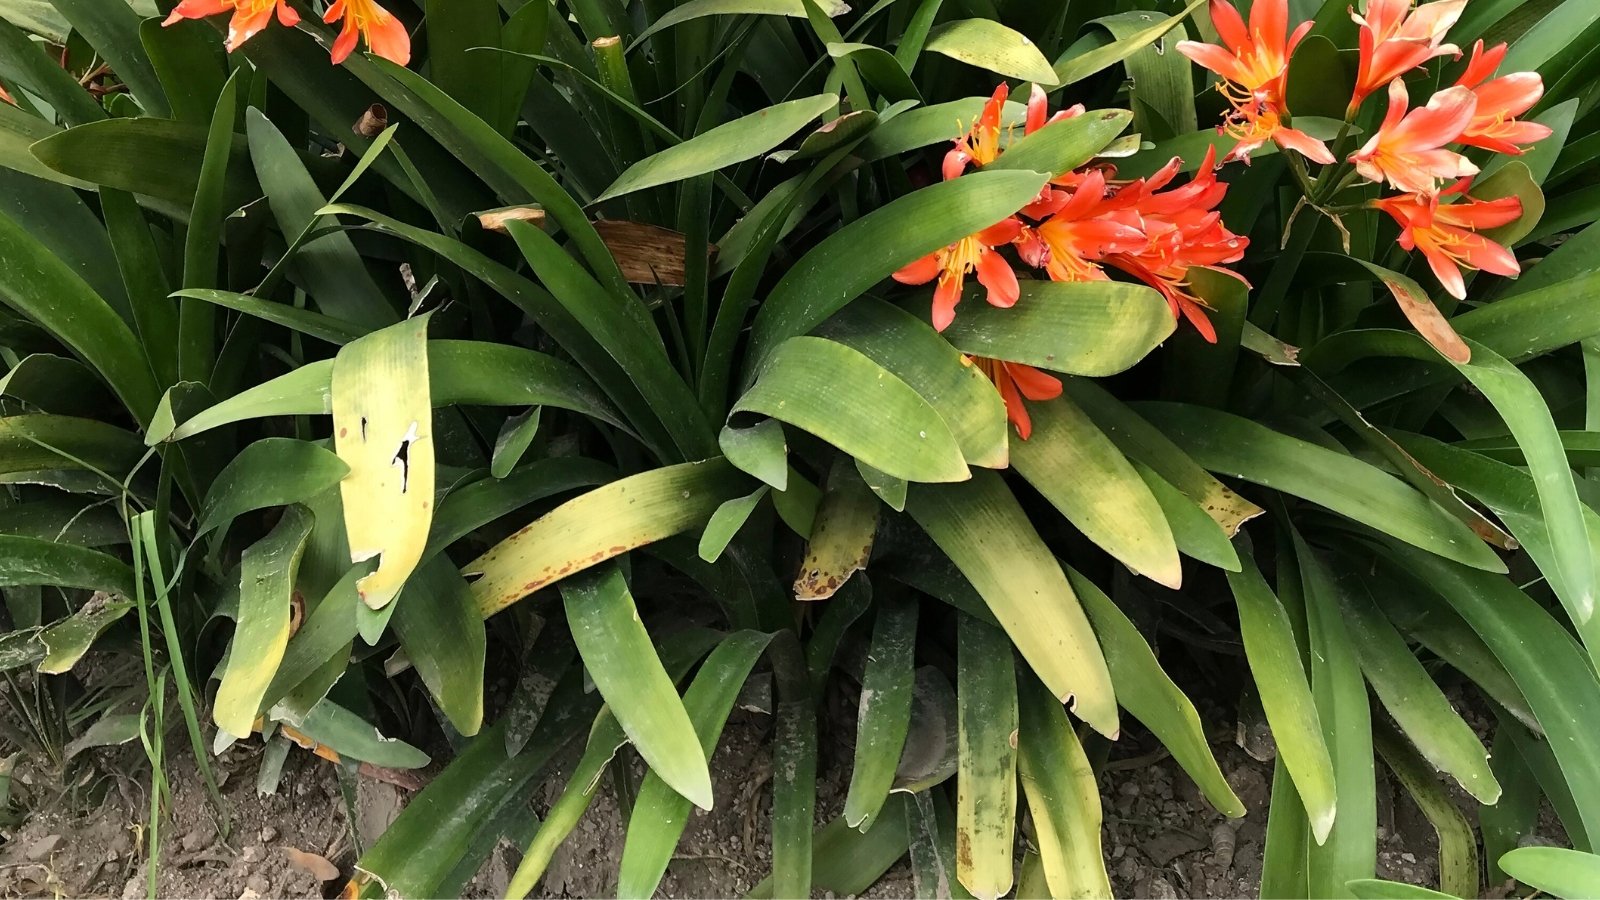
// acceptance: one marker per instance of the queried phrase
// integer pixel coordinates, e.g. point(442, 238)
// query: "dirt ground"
point(1161, 838)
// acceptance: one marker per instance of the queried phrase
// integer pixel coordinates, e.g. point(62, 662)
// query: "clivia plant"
point(481, 385)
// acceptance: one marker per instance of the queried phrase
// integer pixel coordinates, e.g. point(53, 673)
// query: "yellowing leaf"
point(383, 430)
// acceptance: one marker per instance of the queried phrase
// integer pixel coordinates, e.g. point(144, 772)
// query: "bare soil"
point(1161, 838)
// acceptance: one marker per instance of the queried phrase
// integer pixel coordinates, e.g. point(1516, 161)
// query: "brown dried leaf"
point(319, 866)
point(1430, 323)
point(647, 254)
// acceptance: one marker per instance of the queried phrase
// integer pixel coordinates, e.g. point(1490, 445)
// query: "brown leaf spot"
point(1431, 324)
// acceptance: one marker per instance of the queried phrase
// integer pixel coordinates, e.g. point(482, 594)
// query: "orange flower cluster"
point(1411, 149)
point(1080, 224)
point(385, 34)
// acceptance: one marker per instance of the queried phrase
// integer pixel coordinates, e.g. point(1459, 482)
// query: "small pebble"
point(268, 834)
point(253, 853)
point(194, 840)
point(258, 883)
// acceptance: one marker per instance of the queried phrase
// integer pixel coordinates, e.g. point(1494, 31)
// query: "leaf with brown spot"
point(841, 534)
point(1422, 314)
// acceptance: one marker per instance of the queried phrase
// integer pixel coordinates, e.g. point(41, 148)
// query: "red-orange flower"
point(1080, 231)
point(6, 97)
point(1394, 39)
point(1182, 230)
point(981, 143)
point(250, 17)
point(1494, 124)
point(1447, 234)
point(950, 265)
point(1016, 383)
point(1254, 66)
point(1153, 234)
point(1408, 150)
point(386, 35)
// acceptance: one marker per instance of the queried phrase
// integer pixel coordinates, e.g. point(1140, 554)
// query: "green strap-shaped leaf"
point(1280, 677)
point(1236, 446)
point(697, 9)
point(1379, 889)
point(845, 264)
point(884, 713)
point(992, 46)
point(69, 639)
point(1540, 654)
point(1340, 692)
point(1555, 870)
point(732, 142)
point(1085, 477)
point(514, 175)
point(984, 531)
point(56, 216)
point(617, 654)
point(660, 814)
point(1069, 70)
point(347, 734)
point(159, 158)
point(1161, 80)
point(846, 862)
point(269, 472)
point(27, 561)
point(266, 580)
point(188, 59)
point(986, 777)
point(759, 451)
point(1144, 443)
point(31, 443)
point(1060, 147)
point(910, 349)
point(1063, 800)
point(880, 69)
point(442, 633)
point(308, 322)
point(606, 737)
point(934, 124)
point(1197, 535)
point(726, 522)
point(1458, 846)
point(851, 402)
point(329, 268)
point(1410, 695)
point(25, 62)
point(1145, 690)
point(599, 525)
point(619, 322)
point(472, 506)
point(44, 289)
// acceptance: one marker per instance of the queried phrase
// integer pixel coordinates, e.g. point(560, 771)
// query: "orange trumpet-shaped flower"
point(981, 143)
point(250, 17)
point(1408, 150)
point(1016, 383)
point(950, 265)
point(1394, 39)
point(1254, 66)
point(1494, 124)
point(386, 35)
point(6, 97)
point(1447, 234)
point(1255, 122)
point(1081, 230)
point(1256, 59)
